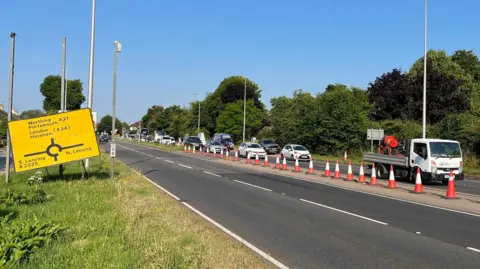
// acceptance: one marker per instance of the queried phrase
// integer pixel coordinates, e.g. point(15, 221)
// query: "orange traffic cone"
point(236, 156)
point(327, 169)
point(336, 173)
point(451, 188)
point(391, 179)
point(184, 148)
point(221, 153)
point(284, 164)
point(361, 175)
point(189, 148)
point(418, 182)
point(310, 167)
point(193, 149)
point(349, 172)
point(373, 176)
point(296, 168)
point(214, 153)
point(248, 158)
point(208, 152)
point(345, 157)
point(227, 156)
point(277, 163)
point(265, 161)
point(257, 161)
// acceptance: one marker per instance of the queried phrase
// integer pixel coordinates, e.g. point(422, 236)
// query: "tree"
point(33, 113)
point(448, 87)
point(230, 120)
point(148, 120)
point(50, 89)
point(390, 95)
point(469, 63)
point(105, 124)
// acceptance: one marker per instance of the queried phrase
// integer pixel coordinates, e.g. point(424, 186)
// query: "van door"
point(419, 156)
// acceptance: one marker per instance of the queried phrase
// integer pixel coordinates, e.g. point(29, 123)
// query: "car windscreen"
point(445, 149)
point(268, 142)
point(195, 139)
point(216, 143)
point(299, 148)
point(228, 140)
point(254, 146)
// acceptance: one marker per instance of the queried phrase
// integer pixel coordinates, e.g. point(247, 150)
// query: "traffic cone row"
point(257, 161)
point(296, 168)
point(265, 161)
point(277, 163)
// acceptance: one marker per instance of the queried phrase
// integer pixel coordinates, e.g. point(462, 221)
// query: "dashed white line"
point(186, 166)
point(158, 158)
point(168, 161)
point(251, 185)
point(210, 173)
point(473, 249)
point(238, 238)
point(344, 212)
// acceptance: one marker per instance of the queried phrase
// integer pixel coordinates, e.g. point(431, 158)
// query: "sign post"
point(374, 134)
point(10, 104)
point(53, 140)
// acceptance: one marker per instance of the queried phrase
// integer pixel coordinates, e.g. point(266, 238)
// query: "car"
point(291, 151)
point(193, 141)
point(103, 138)
point(214, 146)
point(269, 146)
point(250, 150)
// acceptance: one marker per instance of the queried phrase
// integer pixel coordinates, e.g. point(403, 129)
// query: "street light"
point(91, 64)
point(117, 47)
point(244, 106)
point(425, 70)
point(10, 104)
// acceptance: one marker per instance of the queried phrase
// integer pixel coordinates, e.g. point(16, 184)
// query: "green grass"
point(170, 148)
point(123, 223)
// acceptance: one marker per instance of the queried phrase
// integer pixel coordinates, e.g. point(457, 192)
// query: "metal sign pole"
point(117, 48)
point(10, 104)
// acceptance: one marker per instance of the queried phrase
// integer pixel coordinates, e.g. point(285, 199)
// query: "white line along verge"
point(344, 212)
point(238, 238)
point(474, 249)
point(251, 185)
point(168, 161)
point(186, 166)
point(210, 173)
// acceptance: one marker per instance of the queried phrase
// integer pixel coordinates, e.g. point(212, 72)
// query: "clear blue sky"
point(172, 49)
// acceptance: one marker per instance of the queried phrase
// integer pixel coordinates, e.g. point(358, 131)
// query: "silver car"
point(215, 146)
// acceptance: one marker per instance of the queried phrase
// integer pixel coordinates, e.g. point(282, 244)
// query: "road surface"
point(307, 225)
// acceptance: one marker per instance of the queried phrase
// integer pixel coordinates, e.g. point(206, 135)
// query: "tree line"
point(337, 118)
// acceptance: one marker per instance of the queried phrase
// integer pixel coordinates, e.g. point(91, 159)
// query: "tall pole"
point(425, 71)
point(10, 104)
point(116, 50)
point(244, 107)
point(198, 125)
point(66, 88)
point(62, 89)
point(91, 64)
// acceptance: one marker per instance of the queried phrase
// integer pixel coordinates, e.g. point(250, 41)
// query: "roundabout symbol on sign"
point(50, 150)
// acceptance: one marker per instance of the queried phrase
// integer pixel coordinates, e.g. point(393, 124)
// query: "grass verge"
point(123, 223)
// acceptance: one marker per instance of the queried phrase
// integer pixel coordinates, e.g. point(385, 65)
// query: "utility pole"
point(117, 47)
point(62, 90)
point(425, 70)
point(91, 64)
point(10, 104)
point(66, 89)
point(244, 106)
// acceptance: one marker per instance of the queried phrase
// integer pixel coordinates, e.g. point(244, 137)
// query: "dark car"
point(269, 146)
point(193, 141)
point(103, 138)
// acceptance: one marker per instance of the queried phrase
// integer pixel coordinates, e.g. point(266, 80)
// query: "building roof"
point(135, 124)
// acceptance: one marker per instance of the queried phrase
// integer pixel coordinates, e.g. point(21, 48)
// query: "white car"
point(292, 151)
point(250, 150)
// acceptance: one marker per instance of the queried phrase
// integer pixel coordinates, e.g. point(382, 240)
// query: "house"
point(134, 126)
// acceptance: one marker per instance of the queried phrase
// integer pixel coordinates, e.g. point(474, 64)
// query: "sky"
point(174, 49)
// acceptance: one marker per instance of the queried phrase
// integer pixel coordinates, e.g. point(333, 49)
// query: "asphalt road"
point(308, 225)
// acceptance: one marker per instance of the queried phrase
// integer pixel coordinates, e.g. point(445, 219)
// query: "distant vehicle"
point(269, 146)
point(435, 158)
point(214, 146)
point(159, 135)
point(193, 141)
point(292, 151)
point(103, 138)
point(166, 140)
point(250, 150)
point(225, 139)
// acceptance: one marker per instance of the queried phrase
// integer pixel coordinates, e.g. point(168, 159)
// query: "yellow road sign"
point(54, 139)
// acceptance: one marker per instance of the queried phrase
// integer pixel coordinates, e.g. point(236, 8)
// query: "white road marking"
point(210, 173)
point(186, 166)
point(379, 195)
point(238, 238)
point(251, 185)
point(344, 212)
point(158, 158)
point(168, 161)
point(474, 249)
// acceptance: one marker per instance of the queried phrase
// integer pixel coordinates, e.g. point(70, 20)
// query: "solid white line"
point(474, 249)
point(158, 158)
point(210, 173)
point(158, 186)
point(168, 161)
point(345, 212)
point(182, 165)
point(238, 238)
point(251, 185)
point(380, 195)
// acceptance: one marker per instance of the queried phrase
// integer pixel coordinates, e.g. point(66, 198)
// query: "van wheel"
point(445, 182)
point(382, 172)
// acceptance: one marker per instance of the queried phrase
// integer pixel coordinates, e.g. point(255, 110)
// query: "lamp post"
point(425, 71)
point(198, 127)
point(10, 104)
point(117, 47)
point(244, 106)
point(91, 64)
